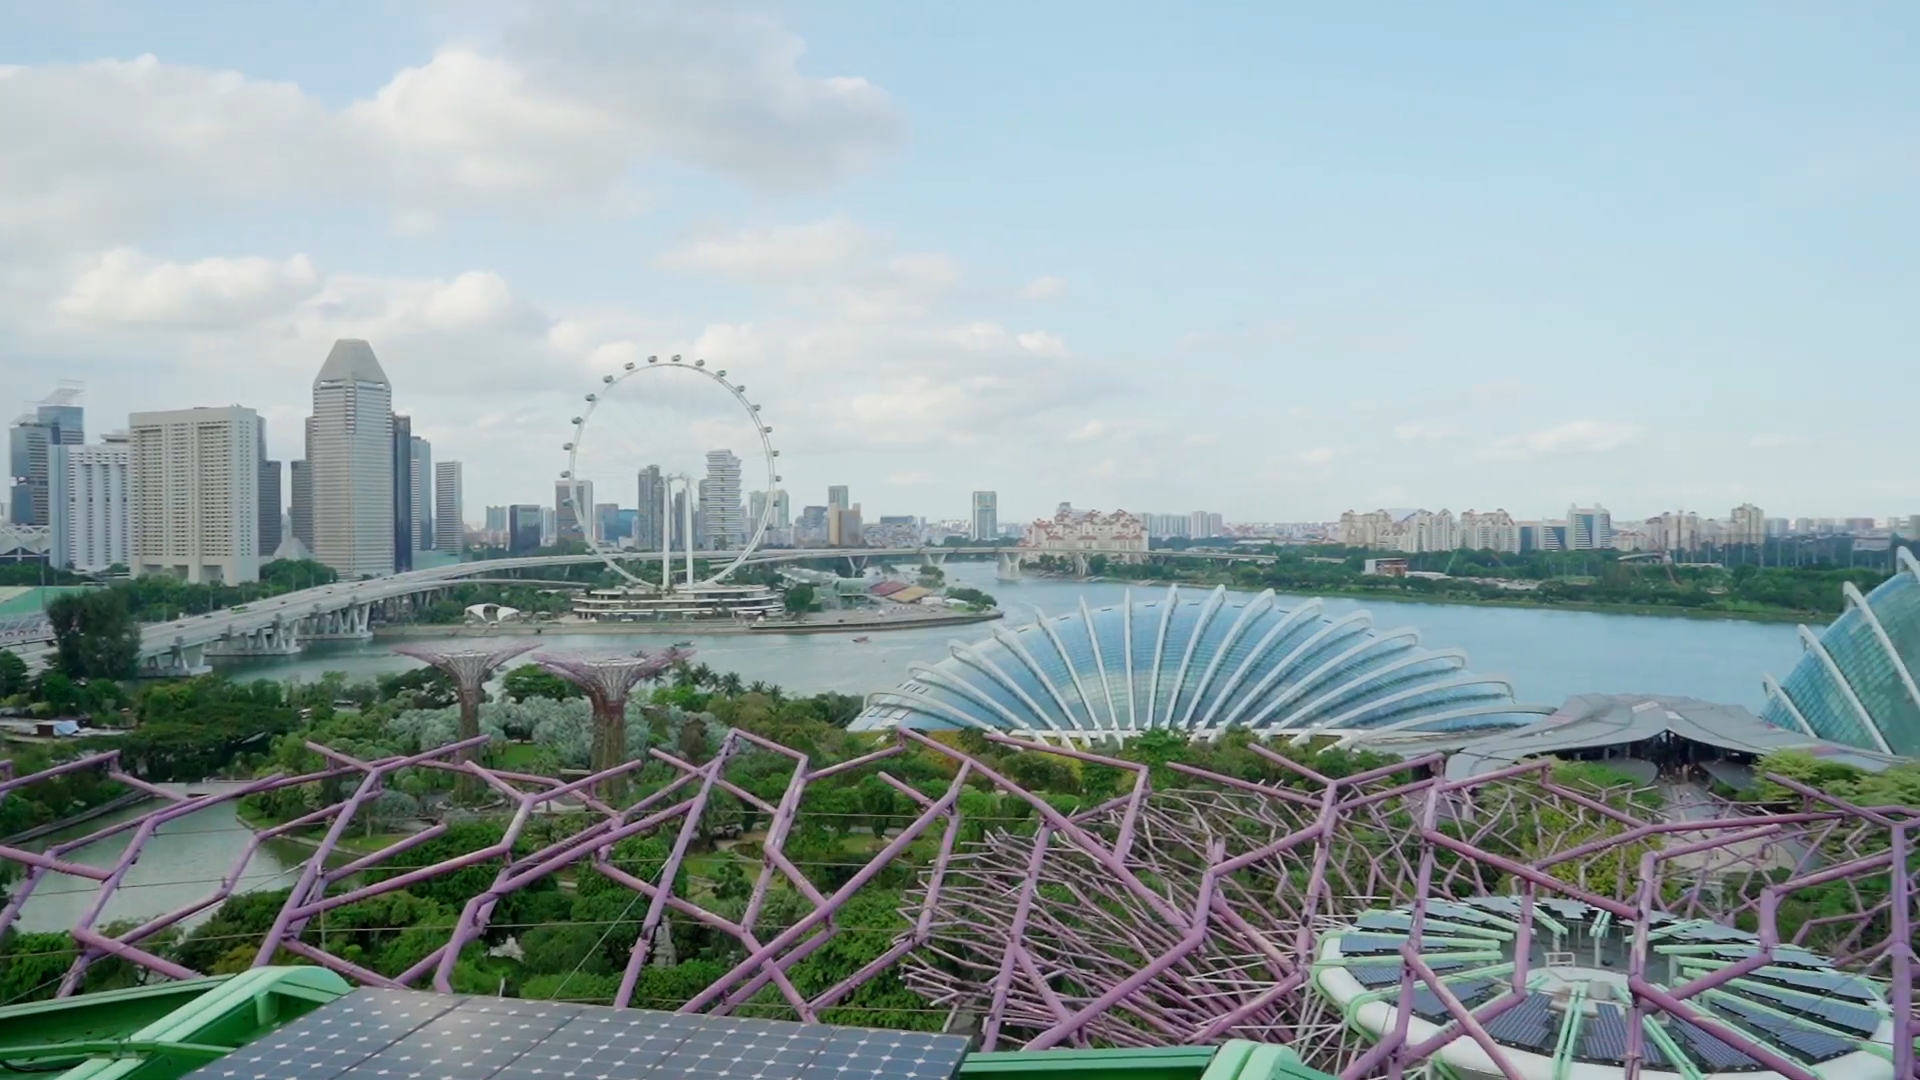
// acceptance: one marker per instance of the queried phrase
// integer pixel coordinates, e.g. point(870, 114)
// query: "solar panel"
point(1707, 1050)
point(1836, 1013)
point(1370, 944)
point(1805, 1041)
point(396, 1035)
point(1818, 982)
point(1603, 1037)
point(1532, 1025)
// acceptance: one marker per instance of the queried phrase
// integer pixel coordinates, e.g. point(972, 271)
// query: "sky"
point(1271, 260)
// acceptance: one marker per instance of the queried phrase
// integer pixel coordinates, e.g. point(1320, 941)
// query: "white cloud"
point(1090, 430)
point(1426, 431)
point(1775, 440)
point(1044, 288)
point(794, 253)
point(1573, 437)
point(1317, 455)
point(571, 101)
point(1041, 343)
point(125, 288)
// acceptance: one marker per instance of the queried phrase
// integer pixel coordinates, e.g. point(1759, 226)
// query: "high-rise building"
point(756, 509)
point(1589, 528)
point(1494, 531)
point(986, 517)
point(496, 524)
point(1748, 525)
point(87, 499)
point(449, 518)
point(1201, 524)
point(720, 501)
point(421, 477)
point(837, 496)
point(404, 508)
point(300, 502)
point(678, 527)
point(193, 482)
point(606, 525)
point(845, 528)
point(57, 421)
point(811, 531)
point(523, 528)
point(270, 502)
point(351, 458)
point(782, 510)
point(646, 527)
point(572, 502)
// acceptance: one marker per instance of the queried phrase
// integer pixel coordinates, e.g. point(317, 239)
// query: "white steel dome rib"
point(1199, 665)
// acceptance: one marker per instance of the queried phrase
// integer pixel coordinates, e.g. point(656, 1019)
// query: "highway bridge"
point(283, 625)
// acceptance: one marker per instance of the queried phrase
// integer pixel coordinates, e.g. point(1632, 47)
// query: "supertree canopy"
point(1514, 923)
point(608, 681)
point(469, 669)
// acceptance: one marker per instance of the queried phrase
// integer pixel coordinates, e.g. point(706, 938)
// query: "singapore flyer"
point(671, 479)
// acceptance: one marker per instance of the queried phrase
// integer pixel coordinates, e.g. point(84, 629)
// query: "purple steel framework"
point(1183, 915)
point(608, 681)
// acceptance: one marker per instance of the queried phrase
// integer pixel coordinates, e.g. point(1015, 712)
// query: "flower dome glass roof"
point(1199, 663)
point(1856, 684)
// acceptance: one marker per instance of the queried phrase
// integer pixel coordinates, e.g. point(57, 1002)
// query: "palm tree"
point(730, 684)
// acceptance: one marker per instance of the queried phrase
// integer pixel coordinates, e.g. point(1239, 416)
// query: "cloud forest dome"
point(1856, 684)
point(1200, 663)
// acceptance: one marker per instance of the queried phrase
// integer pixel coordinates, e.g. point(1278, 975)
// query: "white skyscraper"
point(720, 508)
point(351, 459)
point(449, 527)
point(782, 510)
point(193, 478)
point(986, 516)
point(88, 503)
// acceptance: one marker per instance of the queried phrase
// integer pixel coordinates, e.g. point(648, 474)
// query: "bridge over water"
point(283, 625)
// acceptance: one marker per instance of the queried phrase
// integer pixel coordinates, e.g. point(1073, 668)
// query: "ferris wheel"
point(594, 449)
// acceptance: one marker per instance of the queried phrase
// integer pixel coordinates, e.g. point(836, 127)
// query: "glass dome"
point(1199, 663)
point(1855, 685)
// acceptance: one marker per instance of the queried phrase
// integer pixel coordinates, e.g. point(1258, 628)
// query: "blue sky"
point(1271, 260)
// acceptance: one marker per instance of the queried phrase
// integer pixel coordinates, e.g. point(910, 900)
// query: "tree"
point(13, 675)
point(801, 598)
point(95, 634)
point(531, 681)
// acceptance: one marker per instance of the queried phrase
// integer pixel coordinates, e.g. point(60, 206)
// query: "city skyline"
point(1419, 275)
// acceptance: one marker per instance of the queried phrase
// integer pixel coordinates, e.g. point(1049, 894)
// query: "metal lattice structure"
point(1186, 910)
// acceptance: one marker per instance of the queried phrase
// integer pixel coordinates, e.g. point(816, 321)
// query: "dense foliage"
point(1570, 578)
point(95, 634)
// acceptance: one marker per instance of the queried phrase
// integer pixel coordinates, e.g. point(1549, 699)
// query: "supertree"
point(608, 681)
point(469, 668)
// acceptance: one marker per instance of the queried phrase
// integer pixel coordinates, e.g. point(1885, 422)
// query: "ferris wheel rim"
point(575, 486)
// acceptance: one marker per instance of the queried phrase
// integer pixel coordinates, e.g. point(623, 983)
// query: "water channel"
point(1548, 655)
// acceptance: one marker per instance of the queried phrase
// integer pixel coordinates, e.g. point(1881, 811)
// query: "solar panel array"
point(1798, 1006)
point(410, 1035)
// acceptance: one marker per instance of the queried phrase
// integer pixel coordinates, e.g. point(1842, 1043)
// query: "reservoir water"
point(1548, 655)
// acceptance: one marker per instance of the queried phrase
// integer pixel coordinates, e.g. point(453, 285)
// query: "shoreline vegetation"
point(1601, 582)
point(1409, 597)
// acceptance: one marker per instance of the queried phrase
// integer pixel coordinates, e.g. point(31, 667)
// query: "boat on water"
point(861, 640)
point(683, 644)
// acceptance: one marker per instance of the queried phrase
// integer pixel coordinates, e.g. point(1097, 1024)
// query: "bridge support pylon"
point(351, 623)
point(178, 662)
point(1007, 565)
point(279, 639)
